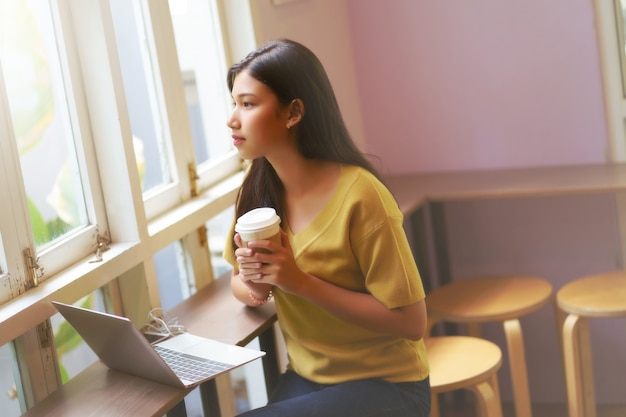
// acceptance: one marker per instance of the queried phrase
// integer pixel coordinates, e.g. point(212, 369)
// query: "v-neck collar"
point(323, 219)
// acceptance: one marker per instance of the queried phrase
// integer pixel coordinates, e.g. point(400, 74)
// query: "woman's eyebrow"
point(242, 95)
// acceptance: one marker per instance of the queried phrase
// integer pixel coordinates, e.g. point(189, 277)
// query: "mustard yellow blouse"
point(356, 242)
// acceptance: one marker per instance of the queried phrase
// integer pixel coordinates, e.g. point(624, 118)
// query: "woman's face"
point(258, 123)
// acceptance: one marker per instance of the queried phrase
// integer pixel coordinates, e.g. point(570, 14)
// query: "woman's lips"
point(237, 140)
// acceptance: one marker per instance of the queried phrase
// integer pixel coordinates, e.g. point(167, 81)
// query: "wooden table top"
point(601, 295)
point(212, 312)
point(227, 320)
point(100, 391)
point(414, 190)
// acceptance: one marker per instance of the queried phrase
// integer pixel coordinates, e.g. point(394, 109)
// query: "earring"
point(289, 126)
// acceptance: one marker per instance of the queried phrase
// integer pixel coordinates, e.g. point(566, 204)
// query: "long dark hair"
point(292, 71)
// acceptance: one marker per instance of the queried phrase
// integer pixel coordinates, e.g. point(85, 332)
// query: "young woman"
point(349, 298)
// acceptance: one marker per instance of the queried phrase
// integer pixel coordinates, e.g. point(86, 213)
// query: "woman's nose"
point(232, 121)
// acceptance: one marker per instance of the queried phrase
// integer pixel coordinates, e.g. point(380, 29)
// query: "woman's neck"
point(301, 176)
point(309, 186)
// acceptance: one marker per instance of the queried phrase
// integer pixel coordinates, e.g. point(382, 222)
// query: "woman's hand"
point(243, 288)
point(277, 268)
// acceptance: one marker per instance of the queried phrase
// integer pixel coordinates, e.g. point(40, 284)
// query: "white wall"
point(454, 85)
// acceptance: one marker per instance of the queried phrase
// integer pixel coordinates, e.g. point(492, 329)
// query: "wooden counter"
point(421, 198)
point(414, 190)
point(212, 312)
point(100, 391)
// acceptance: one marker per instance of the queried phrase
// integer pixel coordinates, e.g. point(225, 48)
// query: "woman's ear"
point(296, 112)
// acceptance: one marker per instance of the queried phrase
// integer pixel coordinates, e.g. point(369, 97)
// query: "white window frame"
point(81, 243)
point(176, 120)
point(13, 221)
point(607, 21)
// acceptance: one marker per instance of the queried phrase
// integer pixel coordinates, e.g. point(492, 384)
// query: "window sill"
point(33, 307)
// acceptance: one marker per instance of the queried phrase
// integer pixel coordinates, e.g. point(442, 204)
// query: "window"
point(144, 100)
point(611, 24)
point(178, 147)
point(115, 164)
point(201, 58)
point(611, 18)
point(46, 132)
point(42, 125)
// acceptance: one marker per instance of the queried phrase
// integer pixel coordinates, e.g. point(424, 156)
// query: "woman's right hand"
point(242, 283)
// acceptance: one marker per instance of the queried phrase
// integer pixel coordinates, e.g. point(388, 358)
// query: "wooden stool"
point(464, 362)
point(499, 298)
point(602, 295)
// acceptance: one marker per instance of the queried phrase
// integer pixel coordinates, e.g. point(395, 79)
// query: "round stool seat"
point(463, 362)
point(602, 295)
point(460, 361)
point(482, 299)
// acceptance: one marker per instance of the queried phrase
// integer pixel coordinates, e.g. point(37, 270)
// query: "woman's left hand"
point(276, 268)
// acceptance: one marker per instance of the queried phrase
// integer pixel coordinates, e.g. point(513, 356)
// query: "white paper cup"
point(259, 224)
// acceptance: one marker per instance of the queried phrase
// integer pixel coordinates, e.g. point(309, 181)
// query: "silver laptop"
point(183, 360)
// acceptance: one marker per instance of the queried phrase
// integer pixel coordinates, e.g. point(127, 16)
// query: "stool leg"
point(434, 405)
point(517, 363)
point(488, 397)
point(578, 367)
point(560, 321)
point(473, 329)
point(493, 381)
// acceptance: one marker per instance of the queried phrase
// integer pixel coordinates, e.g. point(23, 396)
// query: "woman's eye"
point(247, 104)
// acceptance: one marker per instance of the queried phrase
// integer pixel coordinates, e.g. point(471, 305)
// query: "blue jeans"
point(298, 397)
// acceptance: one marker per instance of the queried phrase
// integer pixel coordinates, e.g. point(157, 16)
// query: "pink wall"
point(454, 85)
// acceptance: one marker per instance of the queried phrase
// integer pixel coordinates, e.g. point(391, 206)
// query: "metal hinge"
point(193, 179)
point(202, 236)
point(45, 333)
point(33, 269)
point(102, 245)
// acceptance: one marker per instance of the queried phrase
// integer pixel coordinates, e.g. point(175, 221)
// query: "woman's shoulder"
point(357, 173)
point(360, 177)
point(364, 186)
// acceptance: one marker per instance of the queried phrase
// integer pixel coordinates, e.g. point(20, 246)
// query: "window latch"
point(102, 245)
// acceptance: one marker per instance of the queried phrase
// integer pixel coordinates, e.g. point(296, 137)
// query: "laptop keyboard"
point(189, 367)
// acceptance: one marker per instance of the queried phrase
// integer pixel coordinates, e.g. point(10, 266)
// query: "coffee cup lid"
point(257, 219)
